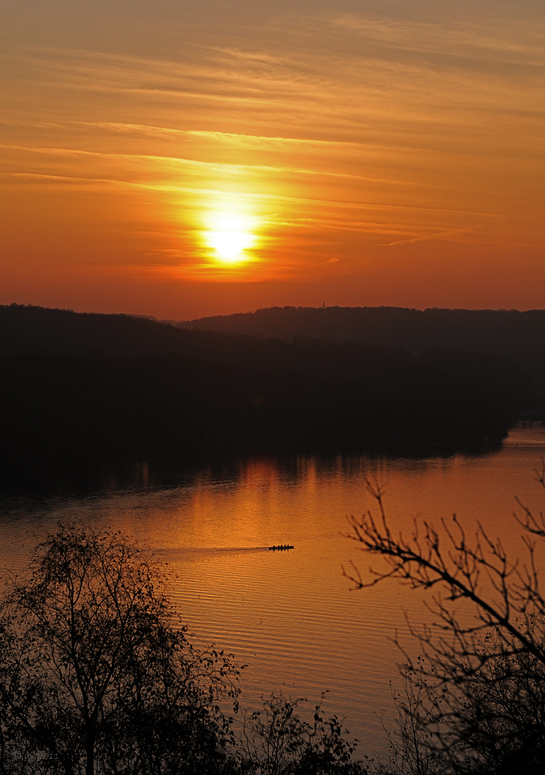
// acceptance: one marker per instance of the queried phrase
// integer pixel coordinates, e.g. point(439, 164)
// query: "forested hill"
point(517, 335)
point(85, 393)
point(29, 329)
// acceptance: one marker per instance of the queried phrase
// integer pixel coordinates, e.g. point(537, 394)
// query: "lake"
point(291, 616)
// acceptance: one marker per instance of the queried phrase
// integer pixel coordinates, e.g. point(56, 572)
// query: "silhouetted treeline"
point(71, 412)
point(28, 329)
point(517, 335)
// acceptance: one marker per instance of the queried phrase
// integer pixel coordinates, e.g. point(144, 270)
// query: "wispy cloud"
point(346, 131)
point(508, 42)
point(171, 161)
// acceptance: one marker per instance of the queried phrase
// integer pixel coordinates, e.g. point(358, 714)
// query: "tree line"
point(85, 393)
point(514, 334)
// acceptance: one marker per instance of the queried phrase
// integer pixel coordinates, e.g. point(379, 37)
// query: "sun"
point(229, 244)
point(230, 236)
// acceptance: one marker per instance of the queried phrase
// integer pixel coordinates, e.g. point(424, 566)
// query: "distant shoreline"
point(85, 396)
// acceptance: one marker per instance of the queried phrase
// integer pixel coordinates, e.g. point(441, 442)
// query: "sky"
point(183, 158)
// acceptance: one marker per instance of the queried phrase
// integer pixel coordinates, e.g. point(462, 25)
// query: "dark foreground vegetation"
point(84, 394)
point(474, 700)
point(98, 675)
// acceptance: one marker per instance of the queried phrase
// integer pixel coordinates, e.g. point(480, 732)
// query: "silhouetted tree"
point(96, 675)
point(277, 741)
point(475, 700)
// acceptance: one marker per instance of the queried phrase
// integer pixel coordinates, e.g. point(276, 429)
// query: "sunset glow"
point(229, 243)
point(230, 238)
point(373, 156)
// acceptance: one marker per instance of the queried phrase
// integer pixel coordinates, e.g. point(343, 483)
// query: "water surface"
point(291, 616)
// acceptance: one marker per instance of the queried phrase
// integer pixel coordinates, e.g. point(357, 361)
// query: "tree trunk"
point(90, 753)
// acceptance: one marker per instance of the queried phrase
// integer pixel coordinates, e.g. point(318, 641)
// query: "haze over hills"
point(519, 336)
point(83, 393)
point(514, 334)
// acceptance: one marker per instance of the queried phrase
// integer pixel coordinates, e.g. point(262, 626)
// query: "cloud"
point(368, 131)
point(513, 41)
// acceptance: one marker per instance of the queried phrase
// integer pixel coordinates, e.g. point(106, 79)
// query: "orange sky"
point(379, 153)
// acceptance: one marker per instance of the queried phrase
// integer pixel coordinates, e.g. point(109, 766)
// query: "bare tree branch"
point(476, 697)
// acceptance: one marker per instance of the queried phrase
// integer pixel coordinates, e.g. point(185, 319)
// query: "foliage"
point(408, 752)
point(95, 674)
point(277, 741)
point(98, 677)
point(90, 395)
point(475, 700)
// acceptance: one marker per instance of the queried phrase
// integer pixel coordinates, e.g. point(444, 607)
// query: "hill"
point(519, 336)
point(88, 394)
